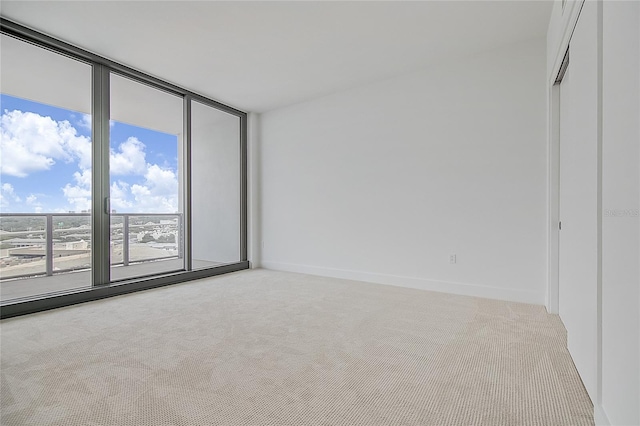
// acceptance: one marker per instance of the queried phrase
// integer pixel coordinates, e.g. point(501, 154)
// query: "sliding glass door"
point(145, 186)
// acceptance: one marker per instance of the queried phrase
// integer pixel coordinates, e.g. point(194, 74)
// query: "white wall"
point(620, 201)
point(382, 183)
point(254, 192)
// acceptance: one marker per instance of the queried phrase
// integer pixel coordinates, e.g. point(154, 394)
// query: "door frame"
point(570, 19)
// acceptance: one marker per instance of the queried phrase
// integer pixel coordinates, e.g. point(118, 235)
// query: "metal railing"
point(48, 229)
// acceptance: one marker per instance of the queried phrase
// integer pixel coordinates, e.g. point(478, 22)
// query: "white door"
point(578, 250)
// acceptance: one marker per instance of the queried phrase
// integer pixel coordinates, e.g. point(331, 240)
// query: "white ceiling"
point(257, 56)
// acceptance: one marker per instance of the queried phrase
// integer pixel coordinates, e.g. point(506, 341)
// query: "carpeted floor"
point(270, 348)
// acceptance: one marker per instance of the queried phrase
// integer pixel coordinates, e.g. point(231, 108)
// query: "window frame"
point(101, 285)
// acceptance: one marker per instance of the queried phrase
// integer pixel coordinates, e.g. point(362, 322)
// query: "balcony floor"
point(36, 286)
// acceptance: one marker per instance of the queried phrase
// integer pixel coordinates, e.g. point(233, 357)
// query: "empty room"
point(320, 212)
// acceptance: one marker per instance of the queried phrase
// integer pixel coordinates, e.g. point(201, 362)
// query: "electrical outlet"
point(452, 259)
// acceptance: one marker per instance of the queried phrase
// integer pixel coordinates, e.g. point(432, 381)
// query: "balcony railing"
point(67, 236)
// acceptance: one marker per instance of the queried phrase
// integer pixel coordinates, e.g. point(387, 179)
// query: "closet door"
point(578, 250)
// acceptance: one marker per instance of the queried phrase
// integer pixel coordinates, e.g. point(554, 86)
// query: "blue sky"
point(46, 155)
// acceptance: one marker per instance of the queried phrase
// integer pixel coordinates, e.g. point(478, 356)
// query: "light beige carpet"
point(269, 348)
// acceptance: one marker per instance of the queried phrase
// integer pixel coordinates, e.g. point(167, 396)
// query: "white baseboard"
point(600, 416)
point(465, 289)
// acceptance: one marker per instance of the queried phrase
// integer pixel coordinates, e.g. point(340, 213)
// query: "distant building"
point(25, 242)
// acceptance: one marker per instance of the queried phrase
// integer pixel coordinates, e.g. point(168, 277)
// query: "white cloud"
point(159, 193)
point(78, 198)
point(79, 195)
point(8, 195)
point(119, 196)
point(80, 148)
point(83, 179)
point(33, 201)
point(85, 121)
point(129, 159)
point(32, 143)
point(162, 181)
point(7, 188)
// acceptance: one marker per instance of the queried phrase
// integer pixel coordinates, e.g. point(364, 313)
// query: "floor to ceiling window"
point(110, 176)
point(45, 171)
